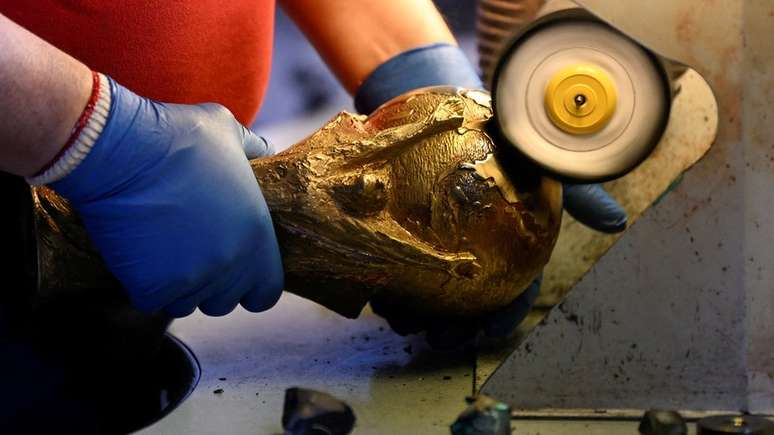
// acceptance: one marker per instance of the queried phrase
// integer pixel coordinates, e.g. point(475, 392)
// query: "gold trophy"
point(413, 207)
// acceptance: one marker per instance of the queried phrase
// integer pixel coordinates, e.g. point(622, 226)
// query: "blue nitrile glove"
point(445, 64)
point(170, 202)
point(592, 206)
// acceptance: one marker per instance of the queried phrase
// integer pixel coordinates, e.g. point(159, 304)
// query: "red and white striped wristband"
point(83, 136)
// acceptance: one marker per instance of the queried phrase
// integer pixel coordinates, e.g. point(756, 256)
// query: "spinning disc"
point(581, 99)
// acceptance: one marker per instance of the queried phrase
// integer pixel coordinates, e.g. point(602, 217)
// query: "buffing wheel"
point(580, 99)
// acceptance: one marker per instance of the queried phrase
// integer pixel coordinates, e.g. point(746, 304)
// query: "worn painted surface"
point(394, 384)
point(758, 134)
point(393, 389)
point(678, 313)
point(579, 427)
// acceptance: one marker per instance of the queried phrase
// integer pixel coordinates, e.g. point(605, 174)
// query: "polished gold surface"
point(396, 208)
point(410, 208)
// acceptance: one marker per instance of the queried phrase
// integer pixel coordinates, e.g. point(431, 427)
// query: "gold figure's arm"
point(383, 29)
point(396, 243)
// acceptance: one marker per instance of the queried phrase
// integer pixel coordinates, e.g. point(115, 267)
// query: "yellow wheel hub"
point(580, 99)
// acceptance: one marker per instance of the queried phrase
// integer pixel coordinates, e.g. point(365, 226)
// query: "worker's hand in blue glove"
point(592, 206)
point(444, 64)
point(169, 200)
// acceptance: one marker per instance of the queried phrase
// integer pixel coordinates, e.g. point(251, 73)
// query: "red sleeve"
point(180, 52)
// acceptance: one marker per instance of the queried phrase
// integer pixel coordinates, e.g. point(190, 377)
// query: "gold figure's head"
point(413, 208)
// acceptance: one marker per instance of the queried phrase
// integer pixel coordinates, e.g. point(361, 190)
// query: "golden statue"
point(411, 207)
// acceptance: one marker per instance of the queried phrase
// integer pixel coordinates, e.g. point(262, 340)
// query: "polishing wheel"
point(581, 99)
